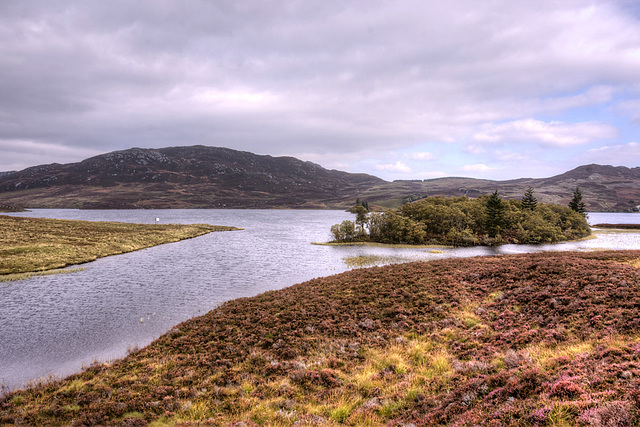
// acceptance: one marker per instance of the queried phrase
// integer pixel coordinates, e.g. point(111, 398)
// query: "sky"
point(496, 89)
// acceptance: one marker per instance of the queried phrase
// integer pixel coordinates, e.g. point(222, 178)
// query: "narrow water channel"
point(53, 325)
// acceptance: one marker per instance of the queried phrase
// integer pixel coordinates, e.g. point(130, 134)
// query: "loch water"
point(53, 325)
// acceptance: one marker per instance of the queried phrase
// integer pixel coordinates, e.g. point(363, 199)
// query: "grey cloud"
point(335, 76)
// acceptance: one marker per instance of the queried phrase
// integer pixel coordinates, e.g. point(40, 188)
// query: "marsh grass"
point(618, 226)
point(609, 231)
point(24, 276)
point(362, 261)
point(30, 245)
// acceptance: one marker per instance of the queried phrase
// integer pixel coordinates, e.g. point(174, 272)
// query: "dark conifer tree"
point(528, 201)
point(495, 214)
point(577, 204)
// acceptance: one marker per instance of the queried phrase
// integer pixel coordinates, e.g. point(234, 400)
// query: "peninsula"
point(37, 244)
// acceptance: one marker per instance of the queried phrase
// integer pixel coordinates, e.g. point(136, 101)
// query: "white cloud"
point(509, 156)
point(433, 174)
point(18, 154)
point(394, 167)
point(474, 149)
point(421, 156)
point(630, 108)
point(617, 155)
point(478, 167)
point(592, 96)
point(330, 76)
point(545, 133)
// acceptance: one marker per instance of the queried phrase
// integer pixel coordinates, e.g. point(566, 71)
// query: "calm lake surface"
point(53, 325)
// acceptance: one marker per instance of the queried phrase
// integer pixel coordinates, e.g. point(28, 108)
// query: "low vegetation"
point(529, 340)
point(361, 261)
point(461, 221)
point(619, 226)
point(22, 276)
point(38, 244)
point(6, 208)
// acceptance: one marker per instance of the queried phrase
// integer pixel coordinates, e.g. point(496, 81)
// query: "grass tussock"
point(38, 244)
point(529, 340)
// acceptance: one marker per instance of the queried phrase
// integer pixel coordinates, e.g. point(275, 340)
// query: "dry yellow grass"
point(635, 263)
point(39, 244)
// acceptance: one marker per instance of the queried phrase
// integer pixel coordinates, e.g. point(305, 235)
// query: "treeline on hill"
point(461, 221)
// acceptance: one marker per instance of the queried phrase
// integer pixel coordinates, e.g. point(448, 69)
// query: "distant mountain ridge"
point(604, 188)
point(215, 177)
point(196, 176)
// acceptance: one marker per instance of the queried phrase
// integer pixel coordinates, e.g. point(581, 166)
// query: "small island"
point(462, 221)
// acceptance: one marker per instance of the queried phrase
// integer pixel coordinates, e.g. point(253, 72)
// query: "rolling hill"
point(182, 177)
point(604, 188)
point(213, 177)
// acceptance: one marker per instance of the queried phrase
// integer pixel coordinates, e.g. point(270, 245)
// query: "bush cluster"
point(461, 221)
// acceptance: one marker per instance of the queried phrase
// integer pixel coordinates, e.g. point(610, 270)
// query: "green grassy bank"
point(39, 244)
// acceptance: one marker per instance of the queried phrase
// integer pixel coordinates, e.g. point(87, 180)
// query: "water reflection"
point(54, 324)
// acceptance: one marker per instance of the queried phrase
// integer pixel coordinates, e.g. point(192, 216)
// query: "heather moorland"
point(535, 339)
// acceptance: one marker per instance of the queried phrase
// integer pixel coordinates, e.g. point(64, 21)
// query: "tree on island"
point(528, 201)
point(495, 214)
point(576, 203)
point(361, 217)
point(461, 221)
point(364, 204)
point(348, 231)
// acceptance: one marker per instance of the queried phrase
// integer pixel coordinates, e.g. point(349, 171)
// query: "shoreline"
point(383, 245)
point(444, 246)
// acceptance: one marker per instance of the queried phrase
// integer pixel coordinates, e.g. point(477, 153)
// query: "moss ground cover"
point(534, 339)
point(38, 244)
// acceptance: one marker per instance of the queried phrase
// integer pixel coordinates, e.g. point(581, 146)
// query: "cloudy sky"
point(400, 89)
